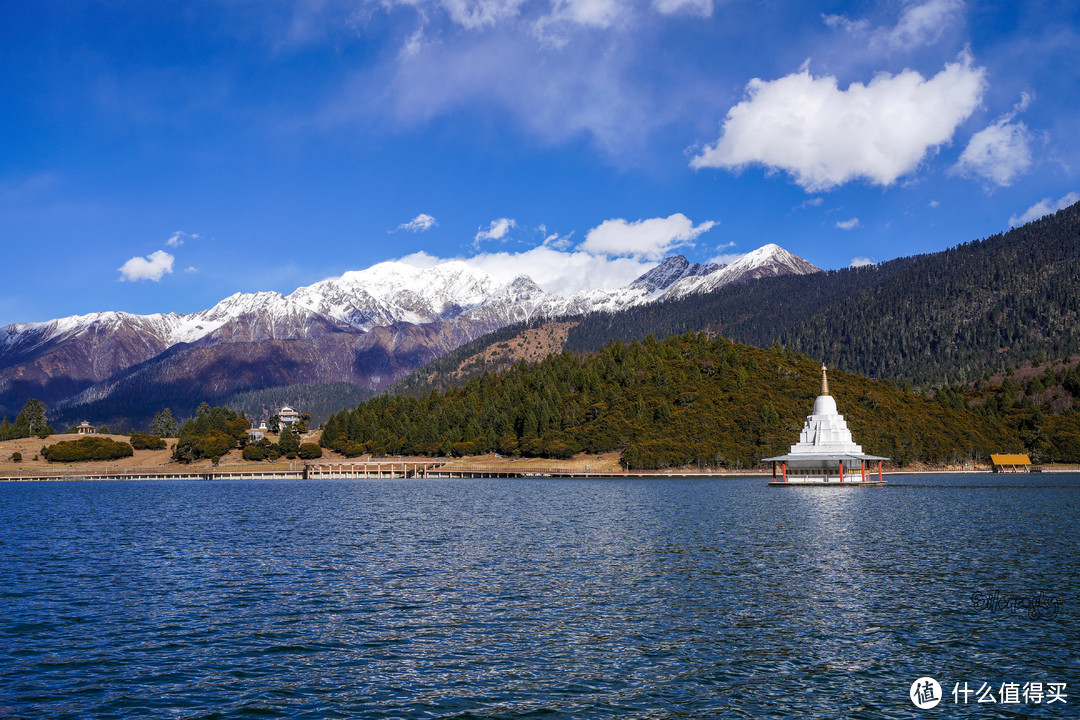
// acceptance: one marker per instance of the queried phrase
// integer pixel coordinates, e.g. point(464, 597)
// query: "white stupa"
point(826, 452)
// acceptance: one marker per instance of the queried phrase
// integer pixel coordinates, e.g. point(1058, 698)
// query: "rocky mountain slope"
point(367, 327)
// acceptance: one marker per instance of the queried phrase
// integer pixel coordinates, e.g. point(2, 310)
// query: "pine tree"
point(163, 424)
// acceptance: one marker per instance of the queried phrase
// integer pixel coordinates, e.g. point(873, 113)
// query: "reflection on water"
point(504, 598)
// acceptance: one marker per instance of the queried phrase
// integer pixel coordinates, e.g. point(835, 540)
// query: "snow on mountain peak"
point(670, 271)
point(396, 291)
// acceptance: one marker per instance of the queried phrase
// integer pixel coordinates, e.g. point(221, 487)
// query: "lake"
point(538, 598)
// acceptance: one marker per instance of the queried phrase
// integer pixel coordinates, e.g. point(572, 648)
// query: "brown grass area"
point(150, 461)
point(582, 462)
point(142, 461)
point(531, 345)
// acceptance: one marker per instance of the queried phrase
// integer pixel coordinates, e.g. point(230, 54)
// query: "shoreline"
point(460, 472)
point(158, 464)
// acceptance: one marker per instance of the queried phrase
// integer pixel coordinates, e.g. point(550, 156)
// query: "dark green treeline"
point(949, 317)
point(688, 400)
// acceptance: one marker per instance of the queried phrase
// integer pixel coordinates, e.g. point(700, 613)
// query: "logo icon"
point(925, 693)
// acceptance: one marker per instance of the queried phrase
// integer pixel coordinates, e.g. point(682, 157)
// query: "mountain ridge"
point(416, 314)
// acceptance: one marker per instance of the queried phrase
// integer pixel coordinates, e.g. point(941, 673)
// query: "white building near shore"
point(288, 417)
point(826, 453)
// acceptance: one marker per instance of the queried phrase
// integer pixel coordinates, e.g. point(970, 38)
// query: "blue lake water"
point(685, 598)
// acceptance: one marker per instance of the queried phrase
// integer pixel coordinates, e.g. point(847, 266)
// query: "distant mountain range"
point(368, 328)
point(950, 317)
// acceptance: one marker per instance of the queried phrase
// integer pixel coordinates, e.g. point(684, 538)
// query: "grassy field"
point(150, 461)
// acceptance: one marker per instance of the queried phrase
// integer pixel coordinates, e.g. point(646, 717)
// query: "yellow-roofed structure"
point(1011, 463)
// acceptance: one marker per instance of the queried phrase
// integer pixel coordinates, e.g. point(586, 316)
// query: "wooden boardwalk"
point(370, 470)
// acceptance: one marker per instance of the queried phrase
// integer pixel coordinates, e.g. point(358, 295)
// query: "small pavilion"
point(1010, 463)
point(826, 454)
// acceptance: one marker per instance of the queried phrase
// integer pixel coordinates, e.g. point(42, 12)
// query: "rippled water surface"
point(702, 598)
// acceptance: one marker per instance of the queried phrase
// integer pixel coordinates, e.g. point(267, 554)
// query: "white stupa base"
point(818, 481)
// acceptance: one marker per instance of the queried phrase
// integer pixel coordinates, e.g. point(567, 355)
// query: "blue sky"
point(160, 156)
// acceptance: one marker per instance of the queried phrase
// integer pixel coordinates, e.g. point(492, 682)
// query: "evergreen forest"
point(688, 400)
point(950, 317)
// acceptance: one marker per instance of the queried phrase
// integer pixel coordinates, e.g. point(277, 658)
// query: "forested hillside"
point(688, 400)
point(318, 399)
point(945, 317)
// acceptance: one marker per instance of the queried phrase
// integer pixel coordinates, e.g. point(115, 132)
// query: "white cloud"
point(725, 258)
point(557, 241)
point(474, 14)
point(812, 202)
point(1001, 151)
point(920, 23)
point(177, 238)
point(420, 223)
point(563, 70)
point(1044, 207)
point(649, 239)
point(151, 267)
point(565, 15)
point(825, 136)
point(933, 203)
point(496, 230)
point(861, 262)
point(848, 224)
point(997, 153)
point(556, 271)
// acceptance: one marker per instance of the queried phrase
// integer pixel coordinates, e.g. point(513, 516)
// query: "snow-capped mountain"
point(368, 327)
point(671, 271)
point(397, 292)
point(767, 261)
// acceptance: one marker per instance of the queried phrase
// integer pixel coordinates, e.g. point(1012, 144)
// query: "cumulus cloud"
point(825, 136)
point(861, 262)
point(649, 239)
point(420, 223)
point(998, 153)
point(614, 253)
point(1001, 151)
point(151, 267)
point(496, 230)
point(848, 224)
point(560, 272)
point(1044, 207)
